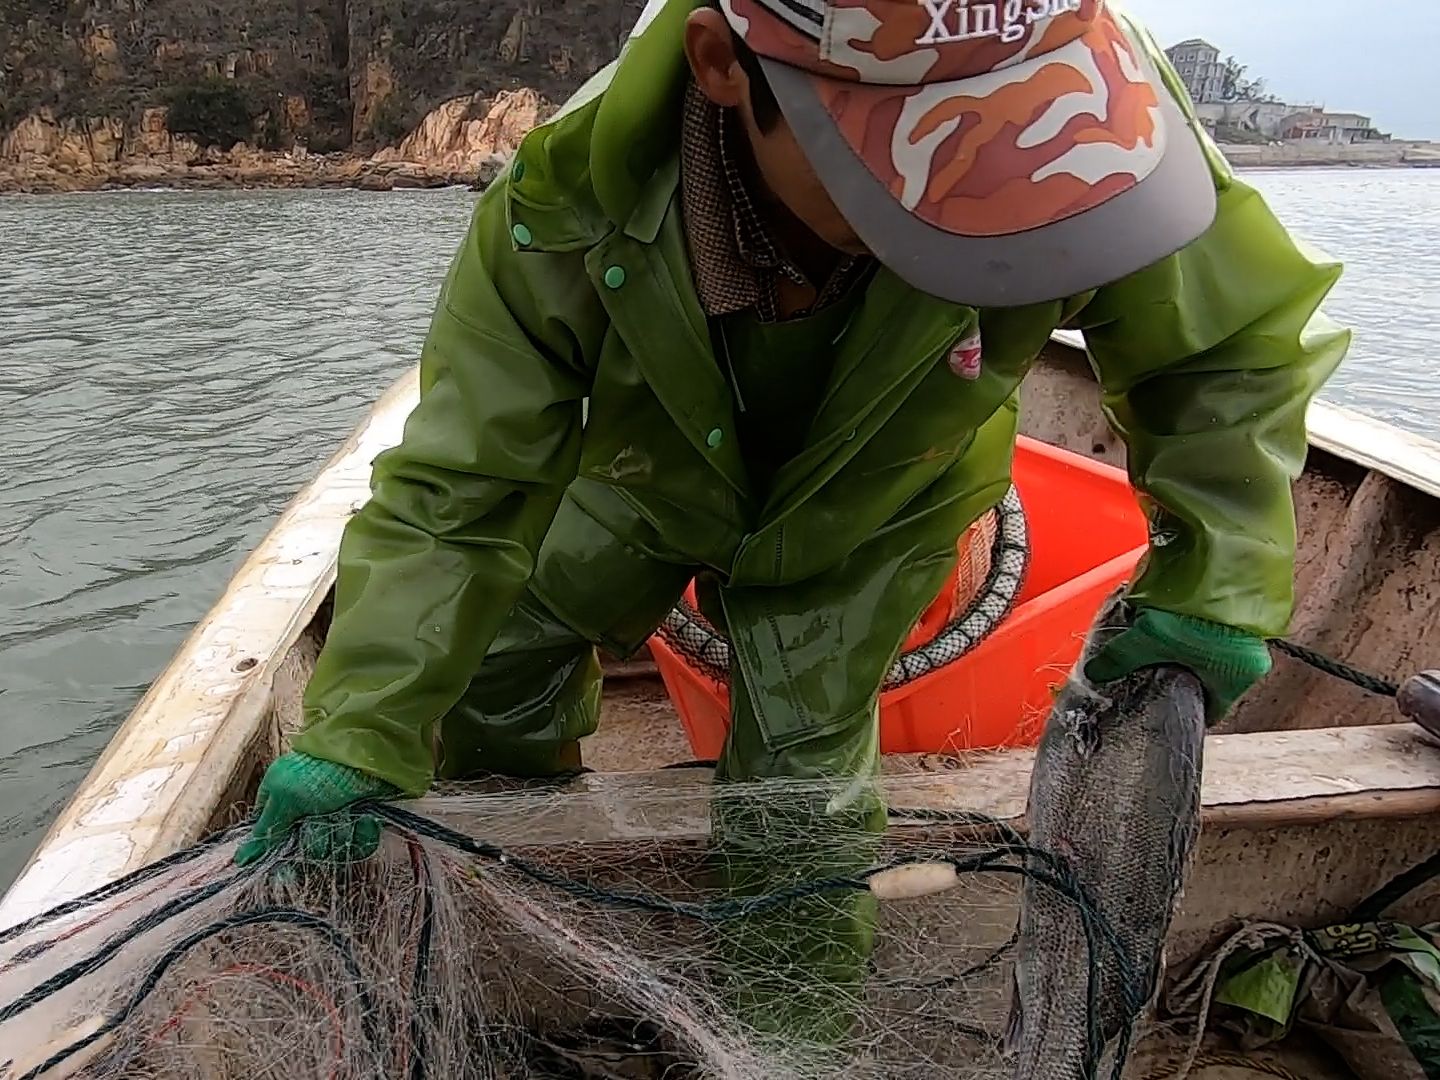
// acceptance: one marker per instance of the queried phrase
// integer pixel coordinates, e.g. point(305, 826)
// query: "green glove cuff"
point(1228, 662)
point(325, 784)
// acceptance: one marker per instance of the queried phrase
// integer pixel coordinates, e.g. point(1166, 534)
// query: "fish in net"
point(569, 932)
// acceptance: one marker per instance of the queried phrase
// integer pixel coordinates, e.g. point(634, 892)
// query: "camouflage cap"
point(993, 154)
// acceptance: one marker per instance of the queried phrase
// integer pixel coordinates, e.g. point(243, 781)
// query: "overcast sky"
point(1381, 59)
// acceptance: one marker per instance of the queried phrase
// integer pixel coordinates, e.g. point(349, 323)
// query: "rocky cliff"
point(406, 57)
point(374, 92)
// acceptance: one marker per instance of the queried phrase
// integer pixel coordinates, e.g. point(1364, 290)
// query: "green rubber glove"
point(298, 787)
point(1227, 661)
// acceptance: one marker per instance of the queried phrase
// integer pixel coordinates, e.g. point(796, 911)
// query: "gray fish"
point(1116, 794)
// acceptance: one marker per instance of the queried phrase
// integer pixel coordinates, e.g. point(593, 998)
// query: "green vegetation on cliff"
point(326, 72)
point(213, 113)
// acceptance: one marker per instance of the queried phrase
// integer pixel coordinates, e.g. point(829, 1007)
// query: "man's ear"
point(710, 48)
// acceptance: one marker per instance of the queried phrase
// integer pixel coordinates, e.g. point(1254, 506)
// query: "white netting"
point(590, 934)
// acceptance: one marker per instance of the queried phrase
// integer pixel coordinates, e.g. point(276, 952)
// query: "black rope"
point(119, 885)
point(975, 1032)
point(292, 916)
point(1376, 904)
point(711, 911)
point(948, 982)
point(420, 983)
point(106, 952)
point(1320, 662)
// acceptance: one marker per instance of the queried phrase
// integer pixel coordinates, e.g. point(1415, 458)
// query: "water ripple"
point(1384, 224)
point(172, 369)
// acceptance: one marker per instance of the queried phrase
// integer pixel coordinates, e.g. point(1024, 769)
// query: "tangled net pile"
point(577, 939)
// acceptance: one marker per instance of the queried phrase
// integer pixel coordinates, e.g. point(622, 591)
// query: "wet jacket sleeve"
point(430, 567)
point(1207, 362)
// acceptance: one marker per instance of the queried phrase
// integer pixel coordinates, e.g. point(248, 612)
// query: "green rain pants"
point(796, 972)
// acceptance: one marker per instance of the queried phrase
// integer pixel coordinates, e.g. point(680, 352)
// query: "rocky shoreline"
point(464, 141)
point(250, 170)
point(253, 170)
point(1385, 155)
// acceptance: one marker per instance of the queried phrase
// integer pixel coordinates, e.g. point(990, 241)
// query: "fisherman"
point(754, 310)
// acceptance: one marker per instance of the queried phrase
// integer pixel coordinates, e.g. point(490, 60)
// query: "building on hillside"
point(1264, 118)
point(1336, 128)
point(1198, 64)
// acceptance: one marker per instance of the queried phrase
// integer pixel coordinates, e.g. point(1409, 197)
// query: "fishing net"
point(564, 932)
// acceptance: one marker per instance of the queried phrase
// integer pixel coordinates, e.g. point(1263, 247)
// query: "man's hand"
point(298, 786)
point(1228, 662)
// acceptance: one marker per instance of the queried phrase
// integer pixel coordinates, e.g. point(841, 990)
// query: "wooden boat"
point(1315, 795)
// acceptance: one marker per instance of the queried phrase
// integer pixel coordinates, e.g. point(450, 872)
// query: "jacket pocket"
point(799, 680)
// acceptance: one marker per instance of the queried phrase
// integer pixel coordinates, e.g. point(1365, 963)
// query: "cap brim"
point(1166, 210)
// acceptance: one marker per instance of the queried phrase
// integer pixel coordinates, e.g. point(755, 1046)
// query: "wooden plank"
point(156, 786)
point(1272, 779)
point(1286, 766)
point(1411, 459)
point(1315, 810)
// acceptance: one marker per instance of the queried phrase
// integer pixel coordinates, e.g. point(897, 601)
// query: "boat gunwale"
point(1410, 459)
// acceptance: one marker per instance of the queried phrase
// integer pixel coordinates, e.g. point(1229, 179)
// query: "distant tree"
point(213, 113)
point(1238, 133)
point(1232, 79)
point(1255, 90)
point(271, 137)
point(1234, 86)
point(328, 95)
point(391, 121)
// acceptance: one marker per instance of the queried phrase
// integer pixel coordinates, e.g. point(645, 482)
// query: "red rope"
point(280, 978)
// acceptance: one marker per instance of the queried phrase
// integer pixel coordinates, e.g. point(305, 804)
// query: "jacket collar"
point(634, 147)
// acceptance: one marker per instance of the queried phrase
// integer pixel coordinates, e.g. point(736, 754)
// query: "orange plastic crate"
point(1087, 533)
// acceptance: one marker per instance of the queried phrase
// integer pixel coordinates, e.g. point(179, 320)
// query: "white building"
point(1267, 118)
point(1198, 64)
point(1336, 128)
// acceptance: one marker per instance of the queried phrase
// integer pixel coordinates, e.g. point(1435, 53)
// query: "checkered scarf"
point(735, 258)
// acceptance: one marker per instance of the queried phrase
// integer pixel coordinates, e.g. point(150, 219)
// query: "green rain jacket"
point(568, 382)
